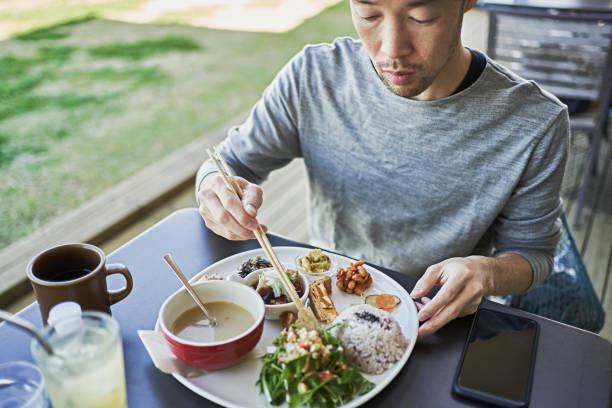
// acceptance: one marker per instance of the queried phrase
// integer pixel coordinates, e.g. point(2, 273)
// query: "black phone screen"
point(498, 358)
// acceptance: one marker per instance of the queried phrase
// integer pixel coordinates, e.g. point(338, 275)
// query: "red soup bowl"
point(218, 354)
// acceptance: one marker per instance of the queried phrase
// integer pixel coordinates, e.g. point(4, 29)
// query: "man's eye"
point(429, 20)
point(370, 18)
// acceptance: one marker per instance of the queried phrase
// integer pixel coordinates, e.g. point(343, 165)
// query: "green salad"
point(307, 368)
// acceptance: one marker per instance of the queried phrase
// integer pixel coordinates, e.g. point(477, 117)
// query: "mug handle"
point(117, 295)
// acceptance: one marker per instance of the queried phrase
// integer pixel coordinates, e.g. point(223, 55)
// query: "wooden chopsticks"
point(261, 236)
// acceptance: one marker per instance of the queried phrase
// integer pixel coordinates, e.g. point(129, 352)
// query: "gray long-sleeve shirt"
point(405, 183)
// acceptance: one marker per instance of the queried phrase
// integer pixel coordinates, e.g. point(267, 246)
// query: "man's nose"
point(396, 41)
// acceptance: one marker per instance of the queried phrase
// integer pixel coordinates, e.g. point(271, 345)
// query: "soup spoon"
point(179, 273)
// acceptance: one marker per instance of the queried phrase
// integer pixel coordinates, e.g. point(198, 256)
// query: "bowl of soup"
point(238, 310)
point(273, 293)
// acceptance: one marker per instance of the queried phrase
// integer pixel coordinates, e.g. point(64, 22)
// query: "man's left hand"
point(463, 281)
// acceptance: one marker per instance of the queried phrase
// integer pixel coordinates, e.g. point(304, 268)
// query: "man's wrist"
point(489, 269)
point(506, 274)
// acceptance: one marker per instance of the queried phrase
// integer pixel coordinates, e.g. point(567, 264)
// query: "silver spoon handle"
point(27, 326)
point(170, 261)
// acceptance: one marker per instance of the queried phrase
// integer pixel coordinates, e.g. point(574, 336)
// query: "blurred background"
point(93, 91)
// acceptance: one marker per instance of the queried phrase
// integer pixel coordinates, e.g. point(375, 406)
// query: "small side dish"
point(321, 301)
point(372, 339)
point(354, 279)
point(307, 368)
point(271, 289)
point(252, 265)
point(315, 262)
point(273, 305)
point(383, 301)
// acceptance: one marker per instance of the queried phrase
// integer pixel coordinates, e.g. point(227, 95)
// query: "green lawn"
point(90, 102)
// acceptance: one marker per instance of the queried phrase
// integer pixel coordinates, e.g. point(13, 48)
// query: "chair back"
point(567, 295)
point(567, 53)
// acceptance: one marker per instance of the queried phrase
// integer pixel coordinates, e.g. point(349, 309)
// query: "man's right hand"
point(222, 210)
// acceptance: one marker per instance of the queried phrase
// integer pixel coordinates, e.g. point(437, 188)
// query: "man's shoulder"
point(338, 45)
point(342, 50)
point(530, 98)
point(330, 66)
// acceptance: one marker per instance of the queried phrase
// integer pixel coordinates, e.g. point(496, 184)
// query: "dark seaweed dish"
point(253, 264)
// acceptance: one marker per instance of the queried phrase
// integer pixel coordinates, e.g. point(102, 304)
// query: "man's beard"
point(408, 90)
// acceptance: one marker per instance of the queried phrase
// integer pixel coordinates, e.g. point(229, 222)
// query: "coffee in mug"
point(75, 272)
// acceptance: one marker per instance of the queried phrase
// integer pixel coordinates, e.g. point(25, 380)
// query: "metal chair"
point(568, 53)
point(567, 295)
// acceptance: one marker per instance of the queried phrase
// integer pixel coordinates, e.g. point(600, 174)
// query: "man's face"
point(412, 43)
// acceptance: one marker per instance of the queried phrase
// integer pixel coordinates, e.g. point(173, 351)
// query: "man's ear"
point(469, 4)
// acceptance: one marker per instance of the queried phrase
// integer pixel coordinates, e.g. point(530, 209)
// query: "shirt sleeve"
point(529, 223)
point(268, 139)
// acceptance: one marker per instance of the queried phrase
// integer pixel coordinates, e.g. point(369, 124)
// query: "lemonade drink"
point(87, 368)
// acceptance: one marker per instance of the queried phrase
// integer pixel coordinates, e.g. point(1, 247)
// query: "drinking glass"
point(21, 386)
point(86, 369)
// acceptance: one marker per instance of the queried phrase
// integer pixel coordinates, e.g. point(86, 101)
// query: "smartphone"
point(498, 357)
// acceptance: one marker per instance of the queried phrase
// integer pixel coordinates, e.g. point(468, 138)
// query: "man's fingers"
point(445, 296)
point(222, 211)
point(226, 222)
point(421, 302)
point(233, 206)
point(221, 230)
point(429, 279)
point(464, 301)
point(252, 198)
point(444, 315)
point(435, 323)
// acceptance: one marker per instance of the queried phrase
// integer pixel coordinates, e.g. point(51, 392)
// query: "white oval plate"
point(235, 387)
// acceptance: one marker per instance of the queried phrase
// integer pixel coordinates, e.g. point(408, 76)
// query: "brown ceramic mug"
point(75, 272)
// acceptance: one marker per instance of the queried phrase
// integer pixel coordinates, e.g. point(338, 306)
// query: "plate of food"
point(367, 329)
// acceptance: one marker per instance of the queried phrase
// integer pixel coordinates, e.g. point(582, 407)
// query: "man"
point(422, 156)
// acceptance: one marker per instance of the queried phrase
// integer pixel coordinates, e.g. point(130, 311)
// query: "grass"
point(9, 150)
point(29, 103)
point(137, 76)
point(82, 111)
point(55, 32)
point(22, 75)
point(14, 67)
point(144, 49)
